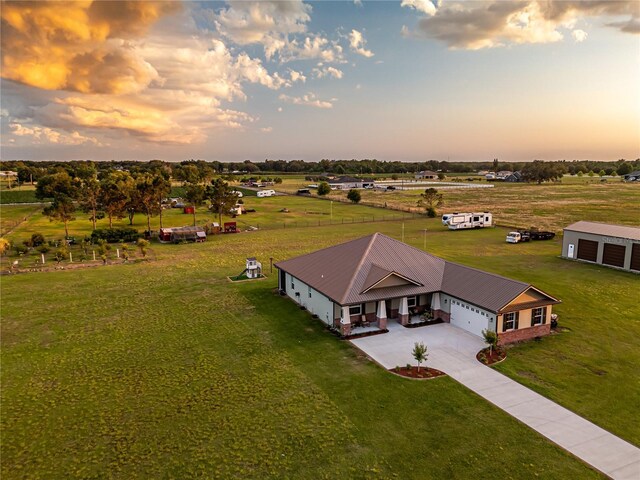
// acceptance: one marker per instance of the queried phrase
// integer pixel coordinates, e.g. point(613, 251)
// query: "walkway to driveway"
point(453, 350)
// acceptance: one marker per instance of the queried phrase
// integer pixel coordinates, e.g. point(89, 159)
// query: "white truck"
point(462, 221)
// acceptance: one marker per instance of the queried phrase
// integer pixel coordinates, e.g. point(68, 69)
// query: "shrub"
point(431, 212)
point(142, 245)
point(44, 248)
point(37, 239)
point(21, 249)
point(324, 188)
point(114, 235)
point(354, 195)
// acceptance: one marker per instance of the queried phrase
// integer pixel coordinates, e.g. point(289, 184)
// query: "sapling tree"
point(491, 339)
point(142, 244)
point(324, 189)
point(419, 352)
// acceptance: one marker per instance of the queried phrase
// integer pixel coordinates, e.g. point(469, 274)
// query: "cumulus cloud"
point(280, 27)
point(486, 24)
point(78, 46)
point(321, 72)
point(45, 135)
point(309, 100)
point(266, 129)
point(166, 87)
point(357, 43)
point(579, 35)
point(424, 6)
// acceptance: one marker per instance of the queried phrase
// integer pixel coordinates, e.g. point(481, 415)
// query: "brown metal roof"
point(487, 290)
point(344, 273)
point(619, 231)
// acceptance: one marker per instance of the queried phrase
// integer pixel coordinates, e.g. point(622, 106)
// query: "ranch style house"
point(361, 285)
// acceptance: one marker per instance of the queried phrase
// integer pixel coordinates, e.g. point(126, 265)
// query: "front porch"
point(411, 311)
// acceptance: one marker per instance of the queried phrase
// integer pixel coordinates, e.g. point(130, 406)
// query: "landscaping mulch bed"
point(364, 334)
point(424, 323)
point(413, 372)
point(497, 355)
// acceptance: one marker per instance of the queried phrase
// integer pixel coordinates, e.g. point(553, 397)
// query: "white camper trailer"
point(461, 221)
point(265, 193)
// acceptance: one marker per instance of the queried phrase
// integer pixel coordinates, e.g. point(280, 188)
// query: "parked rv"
point(462, 221)
point(266, 193)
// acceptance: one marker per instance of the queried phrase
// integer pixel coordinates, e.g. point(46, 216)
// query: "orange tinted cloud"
point(79, 46)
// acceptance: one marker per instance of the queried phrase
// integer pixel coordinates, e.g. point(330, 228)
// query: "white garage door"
point(468, 318)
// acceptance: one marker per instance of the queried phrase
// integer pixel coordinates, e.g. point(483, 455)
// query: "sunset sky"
point(405, 80)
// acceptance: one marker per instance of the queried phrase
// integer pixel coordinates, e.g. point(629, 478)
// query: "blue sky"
point(411, 80)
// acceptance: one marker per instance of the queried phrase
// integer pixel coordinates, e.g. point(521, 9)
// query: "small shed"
point(230, 227)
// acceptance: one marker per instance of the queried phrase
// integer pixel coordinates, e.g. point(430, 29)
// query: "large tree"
point(64, 190)
point(89, 197)
point(115, 193)
point(430, 200)
point(195, 194)
point(540, 171)
point(151, 188)
point(221, 196)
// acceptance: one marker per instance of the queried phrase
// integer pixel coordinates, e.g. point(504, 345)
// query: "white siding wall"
point(317, 303)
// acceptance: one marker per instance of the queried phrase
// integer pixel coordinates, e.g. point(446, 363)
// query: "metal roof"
point(606, 229)
point(346, 272)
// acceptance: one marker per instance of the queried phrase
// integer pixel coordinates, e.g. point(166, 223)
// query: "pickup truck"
point(526, 235)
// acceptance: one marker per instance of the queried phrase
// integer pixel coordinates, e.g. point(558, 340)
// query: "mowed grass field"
point(166, 369)
point(550, 206)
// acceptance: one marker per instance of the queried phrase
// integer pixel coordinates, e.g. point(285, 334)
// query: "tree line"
point(120, 194)
point(200, 171)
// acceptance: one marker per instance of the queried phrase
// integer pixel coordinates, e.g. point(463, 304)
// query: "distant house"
point(632, 177)
point(373, 280)
point(503, 174)
point(514, 177)
point(611, 245)
point(426, 175)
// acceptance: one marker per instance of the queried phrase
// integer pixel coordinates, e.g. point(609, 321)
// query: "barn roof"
point(597, 228)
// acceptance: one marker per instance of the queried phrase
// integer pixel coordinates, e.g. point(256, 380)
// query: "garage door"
point(635, 257)
point(468, 317)
point(587, 250)
point(613, 254)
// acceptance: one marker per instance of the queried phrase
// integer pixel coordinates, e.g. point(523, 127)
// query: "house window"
point(355, 310)
point(309, 292)
point(293, 285)
point(445, 301)
point(538, 316)
point(412, 301)
point(510, 321)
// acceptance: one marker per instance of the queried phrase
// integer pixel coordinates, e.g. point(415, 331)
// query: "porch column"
point(435, 301)
point(381, 315)
point(345, 321)
point(403, 311)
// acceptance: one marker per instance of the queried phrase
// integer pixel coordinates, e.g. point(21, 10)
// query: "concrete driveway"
point(453, 350)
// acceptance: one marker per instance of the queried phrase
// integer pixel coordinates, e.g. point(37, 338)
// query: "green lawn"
point(166, 369)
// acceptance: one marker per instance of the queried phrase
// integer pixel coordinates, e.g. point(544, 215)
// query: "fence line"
point(329, 223)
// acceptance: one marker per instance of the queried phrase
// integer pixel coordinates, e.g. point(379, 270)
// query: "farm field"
point(550, 206)
point(164, 368)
